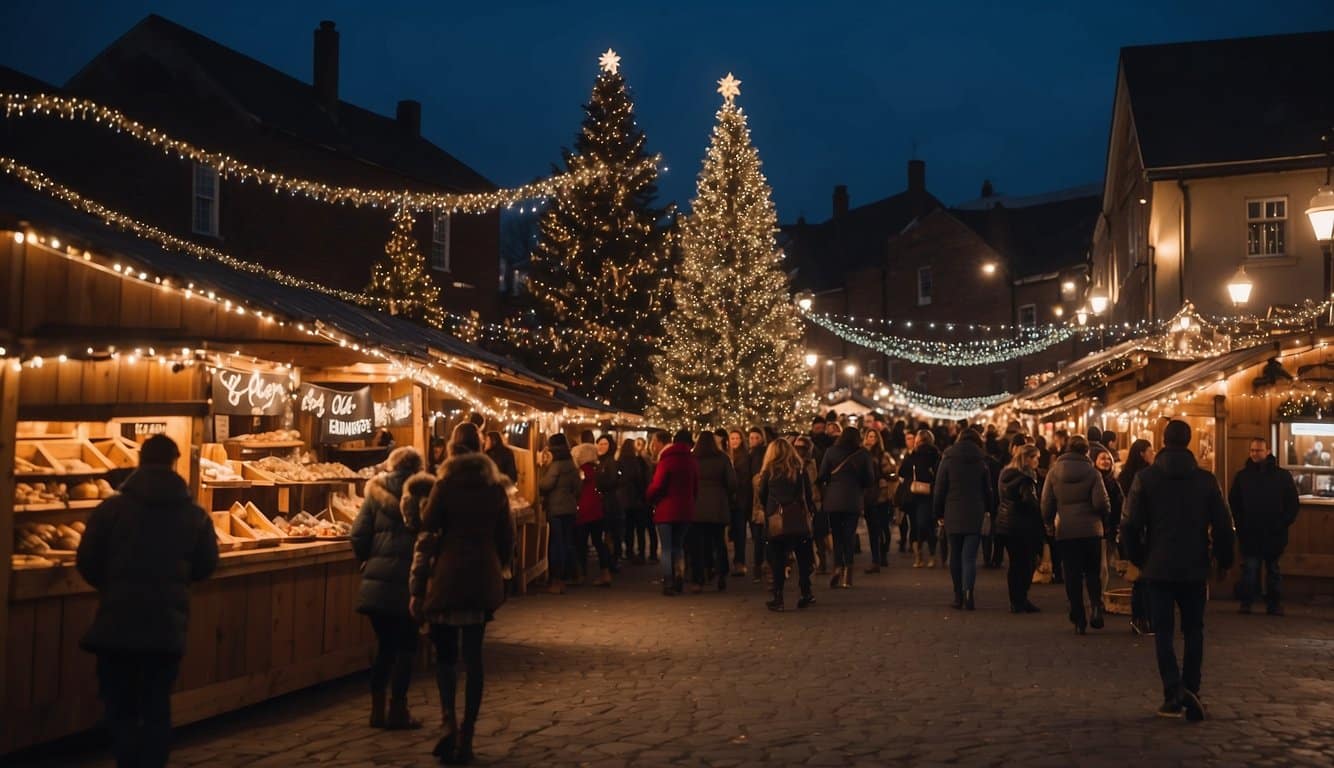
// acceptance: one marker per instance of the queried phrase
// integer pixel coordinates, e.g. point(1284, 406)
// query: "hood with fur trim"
point(416, 491)
point(471, 469)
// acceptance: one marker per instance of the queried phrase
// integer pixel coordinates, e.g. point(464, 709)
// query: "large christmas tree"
point(598, 276)
point(732, 355)
point(401, 278)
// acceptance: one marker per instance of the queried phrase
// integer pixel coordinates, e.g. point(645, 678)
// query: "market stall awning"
point(1203, 373)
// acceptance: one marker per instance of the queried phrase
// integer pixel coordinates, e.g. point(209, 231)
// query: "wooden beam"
point(108, 411)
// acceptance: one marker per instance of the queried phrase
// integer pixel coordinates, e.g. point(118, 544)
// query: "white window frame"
point(211, 229)
point(924, 299)
point(440, 231)
point(1263, 219)
point(1019, 315)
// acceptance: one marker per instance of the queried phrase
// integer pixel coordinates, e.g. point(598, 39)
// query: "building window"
point(923, 286)
point(204, 219)
point(1028, 315)
point(440, 242)
point(1266, 224)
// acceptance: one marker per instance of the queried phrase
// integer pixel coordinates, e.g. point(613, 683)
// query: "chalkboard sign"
point(342, 415)
point(395, 413)
point(249, 393)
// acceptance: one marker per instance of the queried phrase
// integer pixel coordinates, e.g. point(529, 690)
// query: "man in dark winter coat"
point(141, 551)
point(1173, 512)
point(1264, 504)
point(964, 495)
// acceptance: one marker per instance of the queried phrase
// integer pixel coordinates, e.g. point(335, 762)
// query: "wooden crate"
point(122, 453)
point(33, 452)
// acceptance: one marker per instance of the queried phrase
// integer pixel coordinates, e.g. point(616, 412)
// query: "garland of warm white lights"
point(935, 407)
point(962, 353)
point(70, 108)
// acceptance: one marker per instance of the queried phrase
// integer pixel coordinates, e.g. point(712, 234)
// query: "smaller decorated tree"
point(401, 278)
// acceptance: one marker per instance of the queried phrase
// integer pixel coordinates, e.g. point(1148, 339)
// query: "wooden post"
point(1220, 442)
point(9, 408)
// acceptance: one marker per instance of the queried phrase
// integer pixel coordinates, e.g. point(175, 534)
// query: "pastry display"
point(306, 524)
point(24, 467)
point(276, 436)
point(216, 472)
point(40, 493)
point(42, 538)
point(286, 471)
point(331, 470)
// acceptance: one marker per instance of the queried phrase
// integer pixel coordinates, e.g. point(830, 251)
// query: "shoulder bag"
point(919, 487)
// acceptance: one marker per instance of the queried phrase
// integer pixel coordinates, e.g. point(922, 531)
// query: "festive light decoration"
point(733, 352)
point(73, 108)
point(401, 281)
point(598, 274)
point(933, 407)
point(957, 353)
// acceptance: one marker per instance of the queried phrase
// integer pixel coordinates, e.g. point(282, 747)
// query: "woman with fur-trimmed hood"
point(466, 542)
point(383, 540)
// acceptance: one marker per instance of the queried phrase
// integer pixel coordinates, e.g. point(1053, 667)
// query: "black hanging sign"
point(395, 413)
point(249, 393)
point(342, 415)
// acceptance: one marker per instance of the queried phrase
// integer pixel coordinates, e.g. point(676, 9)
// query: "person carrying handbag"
point(918, 473)
point(846, 472)
point(785, 492)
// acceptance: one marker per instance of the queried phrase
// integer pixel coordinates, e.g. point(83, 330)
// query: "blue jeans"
point(963, 560)
point(673, 538)
point(1250, 580)
point(560, 547)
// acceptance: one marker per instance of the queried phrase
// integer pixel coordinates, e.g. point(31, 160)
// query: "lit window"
point(1028, 315)
point(1266, 226)
point(923, 286)
point(204, 219)
point(440, 242)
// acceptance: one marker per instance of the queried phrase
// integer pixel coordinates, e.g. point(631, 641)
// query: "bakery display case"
point(1305, 449)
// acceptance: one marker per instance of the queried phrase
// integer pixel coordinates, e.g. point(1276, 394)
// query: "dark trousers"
point(446, 639)
point(614, 525)
point(560, 547)
point(582, 534)
point(136, 690)
point(844, 527)
point(1250, 580)
point(905, 522)
point(708, 547)
point(779, 549)
point(963, 561)
point(737, 531)
point(651, 527)
point(1165, 597)
point(1025, 551)
point(757, 537)
point(993, 549)
point(1081, 562)
point(395, 648)
point(1139, 603)
point(877, 530)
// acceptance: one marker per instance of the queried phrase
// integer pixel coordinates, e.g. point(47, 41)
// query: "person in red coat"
point(672, 495)
point(589, 514)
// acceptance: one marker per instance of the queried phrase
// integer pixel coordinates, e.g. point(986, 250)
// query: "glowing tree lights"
point(733, 353)
point(400, 279)
point(599, 273)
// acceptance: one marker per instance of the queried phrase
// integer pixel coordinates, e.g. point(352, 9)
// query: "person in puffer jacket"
point(590, 516)
point(1074, 506)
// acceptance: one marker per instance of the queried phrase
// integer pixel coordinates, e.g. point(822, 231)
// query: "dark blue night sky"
point(837, 92)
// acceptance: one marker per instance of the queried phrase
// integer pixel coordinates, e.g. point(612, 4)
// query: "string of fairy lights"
point(19, 106)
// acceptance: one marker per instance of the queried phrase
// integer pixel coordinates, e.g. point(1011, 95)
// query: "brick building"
point(193, 88)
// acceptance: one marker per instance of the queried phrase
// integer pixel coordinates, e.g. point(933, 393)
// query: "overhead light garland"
point(934, 407)
point(18, 105)
point(961, 353)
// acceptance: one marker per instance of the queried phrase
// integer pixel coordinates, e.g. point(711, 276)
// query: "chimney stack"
point(987, 189)
point(917, 178)
point(840, 200)
point(326, 65)
point(410, 118)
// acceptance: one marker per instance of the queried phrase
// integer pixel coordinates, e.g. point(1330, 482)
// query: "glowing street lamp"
point(812, 359)
point(1239, 288)
point(1082, 315)
point(805, 300)
point(989, 268)
point(1098, 301)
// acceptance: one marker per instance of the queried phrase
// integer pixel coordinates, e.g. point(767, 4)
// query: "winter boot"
point(465, 754)
point(444, 748)
point(399, 718)
point(968, 600)
point(776, 604)
point(917, 561)
point(604, 580)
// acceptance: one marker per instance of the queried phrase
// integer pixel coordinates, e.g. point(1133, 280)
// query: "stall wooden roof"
point(1210, 370)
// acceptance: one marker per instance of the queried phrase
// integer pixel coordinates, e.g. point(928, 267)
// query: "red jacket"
point(675, 485)
point(590, 501)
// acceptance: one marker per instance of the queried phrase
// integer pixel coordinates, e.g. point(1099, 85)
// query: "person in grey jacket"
point(845, 473)
point(560, 486)
point(1074, 506)
point(962, 496)
point(706, 540)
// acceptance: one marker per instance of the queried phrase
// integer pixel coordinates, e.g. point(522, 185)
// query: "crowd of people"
point(435, 539)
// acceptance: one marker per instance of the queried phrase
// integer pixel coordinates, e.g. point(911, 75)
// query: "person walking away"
point(918, 472)
point(672, 493)
point(1103, 462)
point(613, 512)
point(820, 439)
point(383, 536)
point(713, 510)
point(962, 498)
point(457, 580)
point(991, 546)
point(497, 451)
point(560, 487)
point(589, 515)
point(1264, 505)
point(879, 500)
point(1019, 524)
point(902, 498)
point(1138, 456)
point(1176, 521)
point(820, 540)
point(755, 449)
point(845, 475)
point(631, 485)
point(1074, 505)
point(141, 551)
point(661, 439)
point(739, 452)
point(786, 493)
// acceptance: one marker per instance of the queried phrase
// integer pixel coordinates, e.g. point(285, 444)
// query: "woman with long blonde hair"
point(785, 493)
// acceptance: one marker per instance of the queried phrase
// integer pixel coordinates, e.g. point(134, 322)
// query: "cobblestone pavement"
point(882, 674)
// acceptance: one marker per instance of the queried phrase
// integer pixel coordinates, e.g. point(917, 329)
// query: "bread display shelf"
point(122, 453)
point(59, 506)
point(274, 445)
point(228, 483)
point(59, 458)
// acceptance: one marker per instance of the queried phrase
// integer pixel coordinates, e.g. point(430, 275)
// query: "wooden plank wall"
point(251, 637)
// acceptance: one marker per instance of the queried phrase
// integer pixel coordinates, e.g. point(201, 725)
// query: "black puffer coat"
point(717, 489)
point(1019, 513)
point(846, 474)
point(1264, 504)
point(560, 484)
point(963, 493)
point(383, 543)
point(631, 482)
point(1175, 518)
point(141, 551)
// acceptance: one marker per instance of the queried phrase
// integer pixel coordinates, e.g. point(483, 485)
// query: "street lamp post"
point(1239, 288)
point(1321, 214)
point(991, 268)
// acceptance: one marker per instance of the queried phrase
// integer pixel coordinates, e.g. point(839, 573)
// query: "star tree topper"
point(729, 87)
point(610, 62)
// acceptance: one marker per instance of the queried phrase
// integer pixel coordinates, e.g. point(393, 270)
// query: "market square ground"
point(883, 674)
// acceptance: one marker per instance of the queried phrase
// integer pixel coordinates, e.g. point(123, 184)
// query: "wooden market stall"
point(1279, 390)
